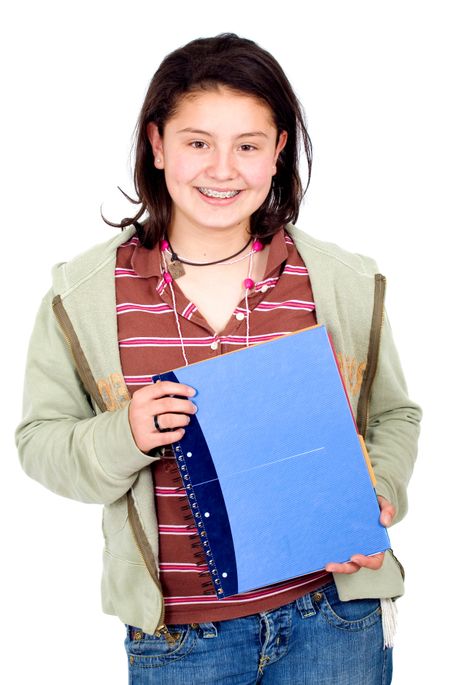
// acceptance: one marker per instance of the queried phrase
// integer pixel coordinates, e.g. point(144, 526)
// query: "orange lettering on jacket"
point(352, 372)
point(114, 391)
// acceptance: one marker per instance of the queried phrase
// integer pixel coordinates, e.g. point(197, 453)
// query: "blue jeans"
point(316, 640)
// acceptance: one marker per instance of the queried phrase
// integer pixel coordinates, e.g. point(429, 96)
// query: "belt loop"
point(208, 630)
point(306, 606)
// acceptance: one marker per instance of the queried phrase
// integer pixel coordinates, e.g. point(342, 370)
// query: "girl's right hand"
point(158, 400)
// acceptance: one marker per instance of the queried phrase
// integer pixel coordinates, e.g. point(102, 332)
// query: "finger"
point(373, 562)
point(163, 439)
point(171, 405)
point(348, 567)
point(357, 561)
point(173, 421)
point(164, 388)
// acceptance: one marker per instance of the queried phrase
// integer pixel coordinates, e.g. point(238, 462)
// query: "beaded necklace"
point(169, 275)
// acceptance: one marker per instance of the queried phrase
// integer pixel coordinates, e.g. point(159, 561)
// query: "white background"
point(373, 78)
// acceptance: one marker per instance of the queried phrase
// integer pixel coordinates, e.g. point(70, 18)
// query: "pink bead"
point(249, 283)
point(164, 245)
point(167, 277)
point(258, 246)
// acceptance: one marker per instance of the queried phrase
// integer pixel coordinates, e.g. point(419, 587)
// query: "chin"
point(226, 225)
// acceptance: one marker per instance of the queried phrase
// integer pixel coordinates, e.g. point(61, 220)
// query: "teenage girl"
point(209, 263)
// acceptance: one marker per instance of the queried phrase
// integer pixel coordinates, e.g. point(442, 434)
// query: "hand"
point(158, 400)
point(357, 561)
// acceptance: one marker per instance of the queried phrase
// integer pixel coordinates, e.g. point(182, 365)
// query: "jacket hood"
point(68, 275)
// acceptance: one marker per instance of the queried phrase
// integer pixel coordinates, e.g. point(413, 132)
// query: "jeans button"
point(137, 635)
point(317, 597)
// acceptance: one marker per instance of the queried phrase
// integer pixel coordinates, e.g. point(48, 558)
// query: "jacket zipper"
point(80, 360)
point(62, 329)
point(400, 565)
point(372, 354)
point(91, 389)
point(143, 546)
point(371, 368)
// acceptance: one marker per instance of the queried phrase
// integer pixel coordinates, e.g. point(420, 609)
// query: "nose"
point(222, 165)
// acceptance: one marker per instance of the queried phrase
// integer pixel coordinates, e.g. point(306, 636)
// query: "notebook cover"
point(273, 466)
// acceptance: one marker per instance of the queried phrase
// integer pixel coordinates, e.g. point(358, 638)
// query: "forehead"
point(221, 106)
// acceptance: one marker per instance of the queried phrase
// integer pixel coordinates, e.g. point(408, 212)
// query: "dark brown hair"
point(205, 64)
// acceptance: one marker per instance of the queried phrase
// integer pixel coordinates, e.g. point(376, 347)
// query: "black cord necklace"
point(175, 266)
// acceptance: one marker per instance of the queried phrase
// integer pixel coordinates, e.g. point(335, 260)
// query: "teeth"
point(219, 194)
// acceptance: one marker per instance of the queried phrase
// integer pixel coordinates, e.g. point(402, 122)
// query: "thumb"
point(387, 511)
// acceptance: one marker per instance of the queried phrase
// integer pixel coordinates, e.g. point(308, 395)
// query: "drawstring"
point(247, 308)
point(180, 335)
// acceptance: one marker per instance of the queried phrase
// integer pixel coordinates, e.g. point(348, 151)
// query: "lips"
point(219, 194)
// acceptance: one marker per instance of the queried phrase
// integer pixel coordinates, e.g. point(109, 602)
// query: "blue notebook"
point(274, 469)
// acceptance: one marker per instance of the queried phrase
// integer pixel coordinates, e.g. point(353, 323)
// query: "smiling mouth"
point(220, 194)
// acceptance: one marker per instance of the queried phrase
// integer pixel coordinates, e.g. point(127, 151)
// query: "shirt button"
point(240, 316)
point(215, 345)
point(264, 288)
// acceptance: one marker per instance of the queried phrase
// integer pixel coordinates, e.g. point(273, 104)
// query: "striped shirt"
point(149, 343)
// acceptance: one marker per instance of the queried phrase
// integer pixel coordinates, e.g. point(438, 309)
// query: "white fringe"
point(389, 621)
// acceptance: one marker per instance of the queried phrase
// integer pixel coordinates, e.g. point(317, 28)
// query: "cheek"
point(262, 180)
point(260, 175)
point(181, 169)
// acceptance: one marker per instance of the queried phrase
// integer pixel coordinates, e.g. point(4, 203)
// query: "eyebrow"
point(249, 134)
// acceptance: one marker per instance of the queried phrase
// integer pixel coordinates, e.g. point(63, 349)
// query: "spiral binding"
point(172, 468)
point(199, 539)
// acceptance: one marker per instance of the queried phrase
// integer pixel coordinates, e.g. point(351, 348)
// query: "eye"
point(198, 145)
point(246, 147)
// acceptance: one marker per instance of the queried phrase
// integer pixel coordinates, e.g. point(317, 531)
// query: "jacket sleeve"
point(61, 442)
point(393, 426)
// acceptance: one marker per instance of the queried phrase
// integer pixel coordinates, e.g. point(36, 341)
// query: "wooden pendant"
point(176, 269)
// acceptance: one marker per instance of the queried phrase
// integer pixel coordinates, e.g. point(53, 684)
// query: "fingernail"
point(192, 392)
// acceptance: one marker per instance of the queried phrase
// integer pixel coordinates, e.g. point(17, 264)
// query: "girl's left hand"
point(387, 515)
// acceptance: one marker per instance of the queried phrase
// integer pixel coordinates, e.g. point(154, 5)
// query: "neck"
point(202, 244)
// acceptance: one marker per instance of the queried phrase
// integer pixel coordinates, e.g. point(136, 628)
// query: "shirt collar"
point(278, 254)
point(147, 263)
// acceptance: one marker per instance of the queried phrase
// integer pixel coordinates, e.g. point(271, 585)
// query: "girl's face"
point(218, 152)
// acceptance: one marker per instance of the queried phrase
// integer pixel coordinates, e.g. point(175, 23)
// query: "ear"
point(156, 142)
point(282, 140)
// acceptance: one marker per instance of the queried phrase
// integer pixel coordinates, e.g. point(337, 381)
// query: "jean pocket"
point(355, 614)
point(148, 651)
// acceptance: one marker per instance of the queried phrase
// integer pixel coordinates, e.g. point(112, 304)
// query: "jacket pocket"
point(114, 517)
point(129, 593)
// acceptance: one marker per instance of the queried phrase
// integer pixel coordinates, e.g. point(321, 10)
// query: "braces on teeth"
point(219, 194)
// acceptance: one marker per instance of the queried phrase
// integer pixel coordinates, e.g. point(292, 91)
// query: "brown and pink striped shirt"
point(149, 343)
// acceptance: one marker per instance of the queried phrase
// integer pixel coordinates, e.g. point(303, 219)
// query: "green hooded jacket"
point(75, 436)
